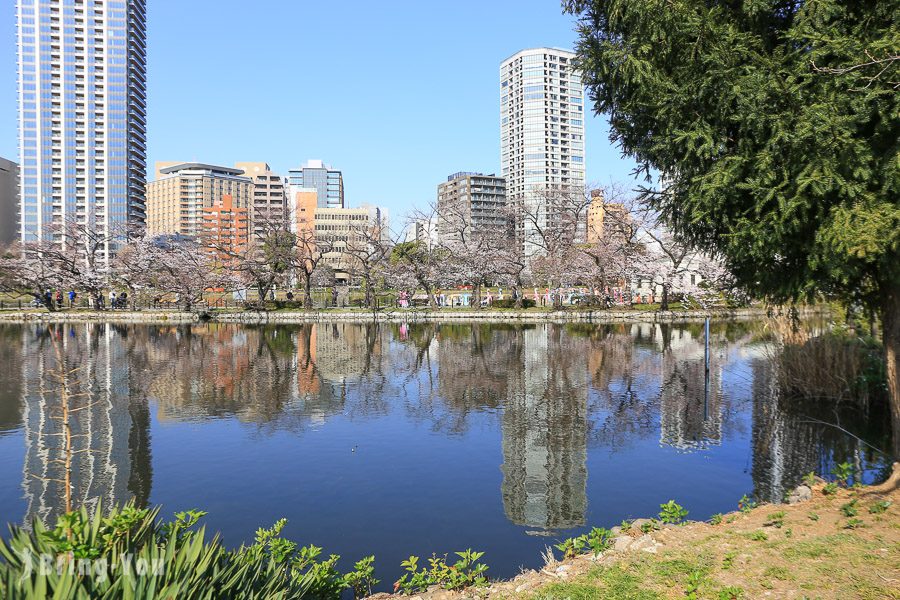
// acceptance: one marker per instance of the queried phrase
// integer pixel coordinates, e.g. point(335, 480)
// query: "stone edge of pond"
point(391, 316)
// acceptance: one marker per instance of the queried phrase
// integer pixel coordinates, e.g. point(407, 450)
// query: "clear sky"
point(397, 94)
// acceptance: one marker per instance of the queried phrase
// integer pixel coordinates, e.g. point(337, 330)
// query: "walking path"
point(390, 316)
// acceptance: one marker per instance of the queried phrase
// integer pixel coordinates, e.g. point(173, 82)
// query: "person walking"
point(59, 299)
point(72, 295)
point(112, 299)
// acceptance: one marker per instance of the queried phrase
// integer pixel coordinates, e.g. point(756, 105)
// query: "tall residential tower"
point(541, 131)
point(82, 115)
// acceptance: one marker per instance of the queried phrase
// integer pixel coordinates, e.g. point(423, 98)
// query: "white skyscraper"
point(82, 114)
point(541, 128)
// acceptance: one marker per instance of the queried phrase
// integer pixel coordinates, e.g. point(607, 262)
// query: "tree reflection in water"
point(554, 393)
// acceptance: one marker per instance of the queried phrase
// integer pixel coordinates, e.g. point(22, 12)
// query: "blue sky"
point(397, 94)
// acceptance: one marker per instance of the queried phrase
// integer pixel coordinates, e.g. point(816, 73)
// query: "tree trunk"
point(665, 297)
point(307, 291)
point(517, 292)
point(477, 296)
point(368, 283)
point(890, 324)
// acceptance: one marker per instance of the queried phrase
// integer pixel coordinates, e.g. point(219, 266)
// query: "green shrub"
point(776, 519)
point(672, 513)
point(598, 540)
point(131, 554)
point(651, 525)
point(510, 303)
point(843, 473)
point(746, 504)
point(465, 572)
point(849, 509)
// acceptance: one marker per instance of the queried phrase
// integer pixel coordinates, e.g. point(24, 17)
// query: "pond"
point(399, 439)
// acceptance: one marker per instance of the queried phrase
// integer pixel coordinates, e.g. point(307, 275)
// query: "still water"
point(409, 439)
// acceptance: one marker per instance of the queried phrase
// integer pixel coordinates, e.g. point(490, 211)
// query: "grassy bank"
point(833, 542)
point(842, 543)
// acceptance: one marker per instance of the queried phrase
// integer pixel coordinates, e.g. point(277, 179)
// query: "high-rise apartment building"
point(471, 204)
point(82, 115)
point(269, 203)
point(176, 199)
point(541, 131)
point(328, 183)
point(9, 202)
point(224, 227)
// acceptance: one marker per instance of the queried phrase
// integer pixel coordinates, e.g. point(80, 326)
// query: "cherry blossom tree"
point(26, 269)
point(266, 259)
point(366, 252)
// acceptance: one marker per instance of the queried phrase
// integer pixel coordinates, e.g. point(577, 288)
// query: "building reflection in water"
point(553, 391)
point(792, 437)
point(544, 428)
point(109, 457)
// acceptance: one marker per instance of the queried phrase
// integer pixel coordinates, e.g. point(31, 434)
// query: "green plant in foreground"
point(830, 489)
point(362, 578)
point(843, 472)
point(598, 540)
point(716, 519)
point(879, 507)
point(849, 509)
point(465, 572)
point(176, 560)
point(571, 547)
point(746, 504)
point(651, 525)
point(694, 581)
point(671, 512)
point(759, 536)
point(809, 479)
point(776, 519)
point(728, 561)
point(813, 516)
point(731, 593)
point(853, 523)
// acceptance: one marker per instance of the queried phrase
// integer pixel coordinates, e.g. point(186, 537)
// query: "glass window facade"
point(82, 114)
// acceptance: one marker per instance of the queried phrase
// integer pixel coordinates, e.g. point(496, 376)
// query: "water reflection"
point(105, 455)
point(547, 397)
point(545, 432)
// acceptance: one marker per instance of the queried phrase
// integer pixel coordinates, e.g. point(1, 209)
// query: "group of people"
point(58, 301)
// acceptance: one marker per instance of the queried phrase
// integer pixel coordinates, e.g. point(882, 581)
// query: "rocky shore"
point(387, 316)
point(823, 543)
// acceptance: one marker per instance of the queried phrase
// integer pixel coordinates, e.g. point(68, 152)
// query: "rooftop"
point(201, 167)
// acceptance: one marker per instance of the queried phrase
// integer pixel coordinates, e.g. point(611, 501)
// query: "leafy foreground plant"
point(465, 572)
point(672, 513)
point(598, 540)
point(130, 554)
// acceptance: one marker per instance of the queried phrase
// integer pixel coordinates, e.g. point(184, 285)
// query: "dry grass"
point(817, 552)
point(837, 365)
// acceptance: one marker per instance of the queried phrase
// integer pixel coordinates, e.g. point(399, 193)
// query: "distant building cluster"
point(82, 122)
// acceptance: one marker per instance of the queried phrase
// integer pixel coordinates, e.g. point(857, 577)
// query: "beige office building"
point(176, 199)
point(336, 228)
point(269, 203)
